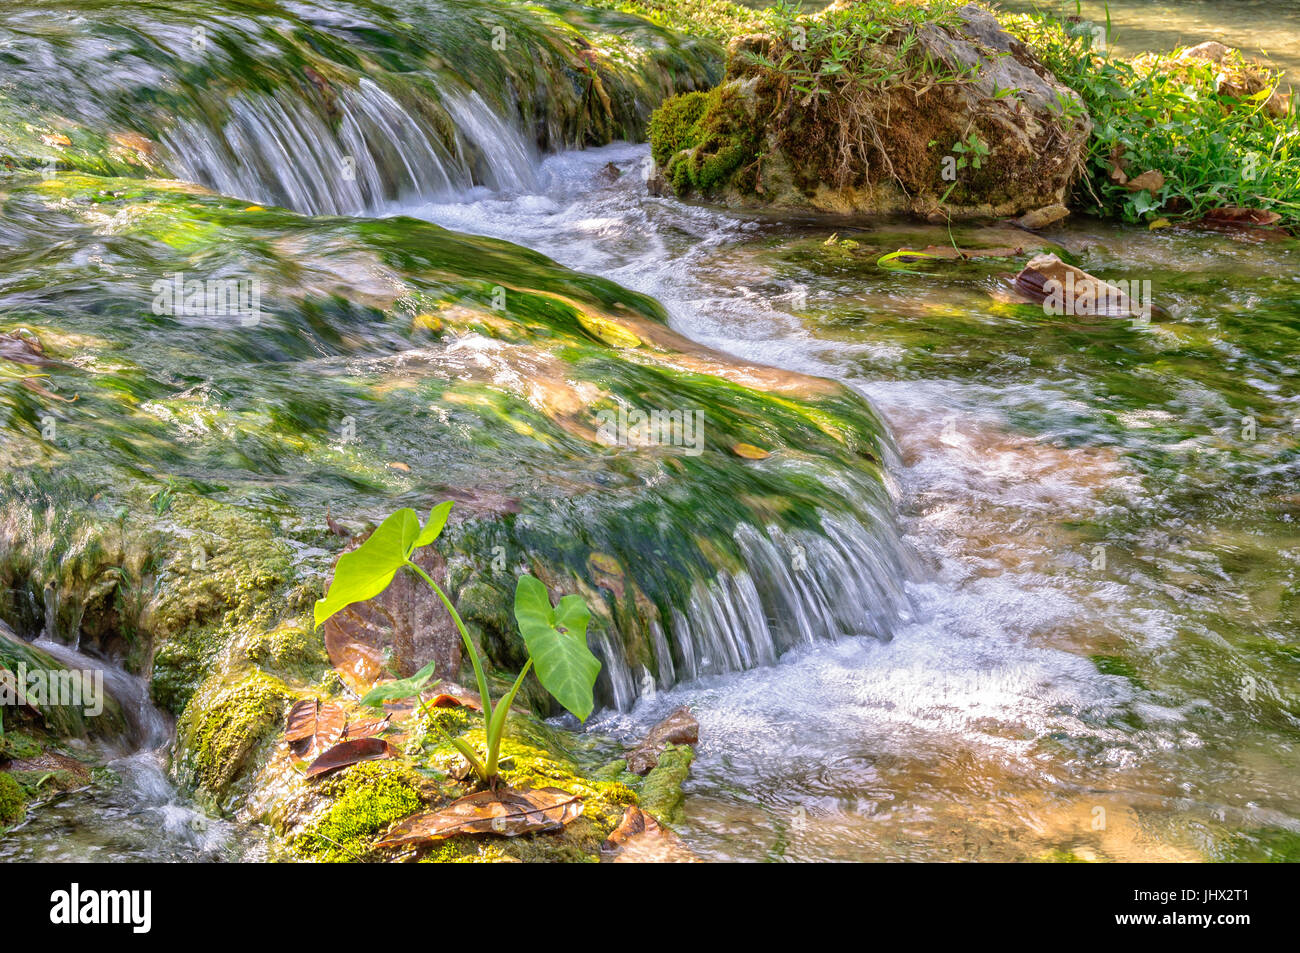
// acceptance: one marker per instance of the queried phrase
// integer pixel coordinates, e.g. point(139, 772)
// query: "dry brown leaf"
point(640, 839)
point(347, 753)
point(313, 728)
point(1150, 181)
point(366, 729)
point(507, 812)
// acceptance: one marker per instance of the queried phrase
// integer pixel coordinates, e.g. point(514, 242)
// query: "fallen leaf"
point(507, 812)
point(1241, 216)
point(455, 701)
point(24, 348)
point(749, 451)
point(1151, 181)
point(366, 729)
point(347, 753)
point(313, 728)
point(640, 839)
point(398, 465)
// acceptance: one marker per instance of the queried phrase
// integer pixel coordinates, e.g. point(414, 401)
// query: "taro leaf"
point(400, 688)
point(508, 812)
point(557, 641)
point(347, 753)
point(366, 571)
point(313, 728)
point(639, 839)
point(433, 528)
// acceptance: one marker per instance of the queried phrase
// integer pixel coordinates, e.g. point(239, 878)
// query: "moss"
point(18, 744)
point(661, 791)
point(13, 802)
point(671, 123)
point(218, 735)
point(1058, 855)
point(703, 140)
point(293, 649)
point(368, 798)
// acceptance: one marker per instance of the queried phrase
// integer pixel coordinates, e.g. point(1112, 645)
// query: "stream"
point(1036, 702)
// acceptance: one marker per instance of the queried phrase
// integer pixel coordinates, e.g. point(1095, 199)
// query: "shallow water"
point(1102, 656)
point(131, 811)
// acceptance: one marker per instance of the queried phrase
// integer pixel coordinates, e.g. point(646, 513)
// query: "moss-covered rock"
point(13, 802)
point(224, 732)
point(877, 108)
point(661, 791)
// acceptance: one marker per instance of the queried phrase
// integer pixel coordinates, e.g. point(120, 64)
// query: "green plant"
point(1219, 133)
point(555, 636)
point(971, 152)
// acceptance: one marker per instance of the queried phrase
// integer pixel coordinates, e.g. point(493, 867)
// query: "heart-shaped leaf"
point(433, 528)
point(557, 641)
point(367, 570)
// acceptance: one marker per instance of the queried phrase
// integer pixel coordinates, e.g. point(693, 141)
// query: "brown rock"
point(679, 728)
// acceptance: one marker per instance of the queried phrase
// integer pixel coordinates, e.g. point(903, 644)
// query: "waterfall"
point(375, 151)
point(796, 588)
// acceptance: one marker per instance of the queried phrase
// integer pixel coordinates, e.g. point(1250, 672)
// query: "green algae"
point(221, 733)
point(661, 791)
point(13, 802)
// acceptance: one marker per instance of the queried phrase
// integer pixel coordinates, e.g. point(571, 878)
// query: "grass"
point(1213, 148)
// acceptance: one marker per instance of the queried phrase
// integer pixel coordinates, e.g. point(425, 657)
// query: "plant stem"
point(469, 644)
point(496, 727)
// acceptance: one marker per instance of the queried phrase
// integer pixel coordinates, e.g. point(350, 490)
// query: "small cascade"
point(367, 152)
point(796, 588)
point(141, 816)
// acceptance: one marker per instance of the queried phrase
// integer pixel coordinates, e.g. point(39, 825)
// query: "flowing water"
point(1101, 654)
point(132, 812)
point(1072, 632)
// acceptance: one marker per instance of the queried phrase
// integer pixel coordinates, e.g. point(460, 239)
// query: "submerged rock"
point(947, 112)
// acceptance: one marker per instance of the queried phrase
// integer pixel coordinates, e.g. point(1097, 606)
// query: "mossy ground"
point(342, 816)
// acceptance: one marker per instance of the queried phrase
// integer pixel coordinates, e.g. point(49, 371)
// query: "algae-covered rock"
point(13, 802)
point(661, 791)
point(876, 108)
point(224, 731)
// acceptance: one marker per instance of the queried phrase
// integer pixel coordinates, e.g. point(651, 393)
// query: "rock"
point(919, 141)
point(679, 728)
point(1065, 289)
point(1042, 217)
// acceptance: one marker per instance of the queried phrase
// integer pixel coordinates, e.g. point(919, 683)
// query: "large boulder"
point(840, 112)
